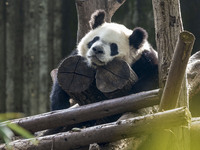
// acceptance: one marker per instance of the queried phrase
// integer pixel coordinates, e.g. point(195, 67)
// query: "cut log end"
point(114, 76)
point(74, 75)
point(187, 37)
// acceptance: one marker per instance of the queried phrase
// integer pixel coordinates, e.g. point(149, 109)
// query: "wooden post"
point(177, 71)
point(168, 25)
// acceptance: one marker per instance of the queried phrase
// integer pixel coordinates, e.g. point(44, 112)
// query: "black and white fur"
point(107, 41)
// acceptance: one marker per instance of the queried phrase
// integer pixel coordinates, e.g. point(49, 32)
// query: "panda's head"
point(106, 41)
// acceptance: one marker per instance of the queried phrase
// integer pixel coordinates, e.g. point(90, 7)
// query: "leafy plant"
point(7, 128)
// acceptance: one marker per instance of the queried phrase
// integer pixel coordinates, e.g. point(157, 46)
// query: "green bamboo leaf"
point(6, 134)
point(19, 130)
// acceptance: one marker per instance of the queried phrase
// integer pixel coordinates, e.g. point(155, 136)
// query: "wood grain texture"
point(115, 79)
point(168, 25)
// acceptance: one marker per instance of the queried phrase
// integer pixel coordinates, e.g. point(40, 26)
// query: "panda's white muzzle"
point(99, 54)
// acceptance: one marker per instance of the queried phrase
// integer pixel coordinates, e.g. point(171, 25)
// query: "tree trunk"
point(86, 8)
point(33, 40)
point(168, 25)
point(2, 56)
point(14, 46)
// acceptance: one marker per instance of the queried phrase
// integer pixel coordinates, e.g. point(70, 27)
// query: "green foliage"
point(6, 134)
point(7, 128)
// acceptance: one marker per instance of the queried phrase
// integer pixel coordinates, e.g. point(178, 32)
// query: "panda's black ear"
point(138, 37)
point(97, 18)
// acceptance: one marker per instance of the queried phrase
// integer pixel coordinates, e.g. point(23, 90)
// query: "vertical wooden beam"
point(2, 56)
point(43, 56)
point(168, 25)
point(177, 69)
point(14, 46)
point(31, 58)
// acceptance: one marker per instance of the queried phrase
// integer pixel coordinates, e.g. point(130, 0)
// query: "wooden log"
point(89, 112)
point(177, 71)
point(77, 79)
point(115, 79)
point(107, 132)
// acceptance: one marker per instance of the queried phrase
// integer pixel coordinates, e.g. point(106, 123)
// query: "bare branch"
point(177, 70)
point(108, 132)
point(89, 112)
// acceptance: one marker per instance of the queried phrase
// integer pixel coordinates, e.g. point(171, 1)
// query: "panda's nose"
point(97, 50)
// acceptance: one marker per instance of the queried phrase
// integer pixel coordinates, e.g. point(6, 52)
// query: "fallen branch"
point(177, 71)
point(89, 112)
point(108, 132)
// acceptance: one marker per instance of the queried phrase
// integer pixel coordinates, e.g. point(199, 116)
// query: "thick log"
point(108, 132)
point(89, 112)
point(177, 71)
point(112, 80)
point(77, 79)
point(115, 79)
point(72, 70)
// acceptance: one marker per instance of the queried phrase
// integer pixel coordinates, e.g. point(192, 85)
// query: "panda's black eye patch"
point(96, 38)
point(114, 49)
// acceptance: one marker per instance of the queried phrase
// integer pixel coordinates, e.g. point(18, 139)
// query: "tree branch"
point(108, 132)
point(89, 112)
point(177, 70)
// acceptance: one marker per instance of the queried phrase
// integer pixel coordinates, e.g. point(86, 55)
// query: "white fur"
point(109, 33)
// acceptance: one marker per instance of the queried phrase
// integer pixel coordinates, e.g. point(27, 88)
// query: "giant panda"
point(106, 41)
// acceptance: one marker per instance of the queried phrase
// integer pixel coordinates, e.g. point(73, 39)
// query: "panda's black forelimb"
point(146, 69)
point(59, 98)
